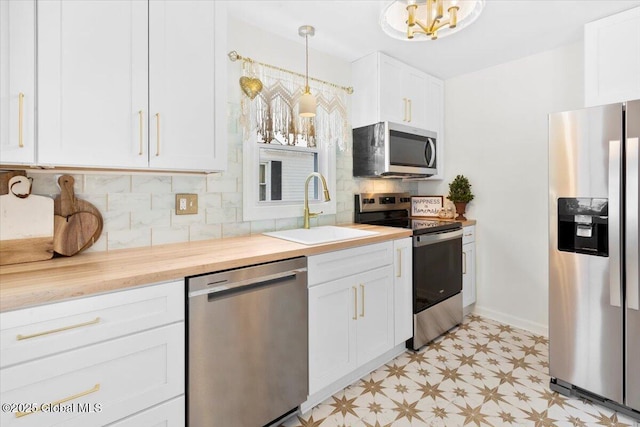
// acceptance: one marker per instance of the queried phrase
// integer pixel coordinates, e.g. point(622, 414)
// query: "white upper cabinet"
point(185, 38)
point(92, 83)
point(17, 81)
point(386, 89)
point(131, 84)
point(612, 58)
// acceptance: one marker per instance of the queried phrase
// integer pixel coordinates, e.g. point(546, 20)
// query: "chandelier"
point(422, 19)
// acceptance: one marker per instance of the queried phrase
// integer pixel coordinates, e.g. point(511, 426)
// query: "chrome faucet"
point(308, 214)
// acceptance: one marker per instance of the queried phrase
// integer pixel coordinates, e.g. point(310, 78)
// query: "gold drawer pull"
point(399, 274)
point(464, 263)
point(21, 337)
point(355, 303)
point(61, 401)
point(141, 130)
point(362, 312)
point(20, 120)
point(157, 134)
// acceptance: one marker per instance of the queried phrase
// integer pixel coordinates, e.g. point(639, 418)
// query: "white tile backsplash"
point(220, 215)
point(151, 218)
point(150, 184)
point(163, 235)
point(128, 201)
point(189, 184)
point(205, 231)
point(107, 184)
point(234, 229)
point(130, 238)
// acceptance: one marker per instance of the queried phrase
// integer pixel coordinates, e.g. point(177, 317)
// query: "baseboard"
point(518, 322)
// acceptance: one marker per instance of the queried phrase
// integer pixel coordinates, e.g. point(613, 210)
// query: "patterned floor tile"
point(482, 373)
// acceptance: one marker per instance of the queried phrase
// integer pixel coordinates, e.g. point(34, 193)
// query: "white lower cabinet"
point(403, 290)
point(100, 372)
point(360, 316)
point(167, 414)
point(468, 266)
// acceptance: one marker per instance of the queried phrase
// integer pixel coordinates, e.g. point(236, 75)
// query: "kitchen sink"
point(322, 234)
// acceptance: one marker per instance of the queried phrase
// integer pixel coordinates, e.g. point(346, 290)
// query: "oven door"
point(437, 268)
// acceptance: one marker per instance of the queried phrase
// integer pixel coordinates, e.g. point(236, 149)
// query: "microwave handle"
point(430, 159)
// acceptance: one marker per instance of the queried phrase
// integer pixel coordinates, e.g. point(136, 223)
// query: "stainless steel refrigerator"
point(594, 301)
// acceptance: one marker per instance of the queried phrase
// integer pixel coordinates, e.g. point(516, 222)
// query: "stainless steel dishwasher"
point(247, 344)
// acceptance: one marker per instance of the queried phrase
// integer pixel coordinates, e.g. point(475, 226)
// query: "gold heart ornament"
point(250, 86)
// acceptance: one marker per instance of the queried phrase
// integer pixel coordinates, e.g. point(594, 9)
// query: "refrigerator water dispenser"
point(583, 226)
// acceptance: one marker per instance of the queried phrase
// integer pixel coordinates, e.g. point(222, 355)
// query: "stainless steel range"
point(437, 262)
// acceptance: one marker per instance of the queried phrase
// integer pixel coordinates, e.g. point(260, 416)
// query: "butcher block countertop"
point(35, 283)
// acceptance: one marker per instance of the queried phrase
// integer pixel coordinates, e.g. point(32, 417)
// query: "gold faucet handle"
point(315, 214)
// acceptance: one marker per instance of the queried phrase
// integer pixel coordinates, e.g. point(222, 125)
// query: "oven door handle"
point(430, 239)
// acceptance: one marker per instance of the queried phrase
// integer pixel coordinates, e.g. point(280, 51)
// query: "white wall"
point(496, 127)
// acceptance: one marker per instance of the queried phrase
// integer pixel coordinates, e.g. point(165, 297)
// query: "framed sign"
point(426, 205)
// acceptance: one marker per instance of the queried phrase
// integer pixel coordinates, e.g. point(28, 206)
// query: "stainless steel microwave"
point(392, 150)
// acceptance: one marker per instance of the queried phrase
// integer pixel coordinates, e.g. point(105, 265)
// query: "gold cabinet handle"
point(21, 120)
point(157, 134)
point(464, 263)
point(141, 118)
point(409, 102)
point(362, 289)
point(399, 273)
point(355, 303)
point(405, 109)
point(20, 337)
point(61, 401)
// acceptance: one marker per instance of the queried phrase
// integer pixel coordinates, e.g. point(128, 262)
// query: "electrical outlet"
point(186, 204)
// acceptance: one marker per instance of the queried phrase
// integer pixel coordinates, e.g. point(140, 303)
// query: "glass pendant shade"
point(307, 105)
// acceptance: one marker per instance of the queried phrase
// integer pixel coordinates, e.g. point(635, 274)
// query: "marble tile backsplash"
point(139, 209)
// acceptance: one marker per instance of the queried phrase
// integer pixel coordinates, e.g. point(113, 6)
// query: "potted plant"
point(460, 194)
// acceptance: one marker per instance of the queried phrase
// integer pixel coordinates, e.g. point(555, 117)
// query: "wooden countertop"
point(35, 283)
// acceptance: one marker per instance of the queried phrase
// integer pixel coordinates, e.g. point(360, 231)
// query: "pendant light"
point(307, 106)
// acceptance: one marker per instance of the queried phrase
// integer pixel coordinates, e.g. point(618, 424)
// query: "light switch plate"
point(186, 204)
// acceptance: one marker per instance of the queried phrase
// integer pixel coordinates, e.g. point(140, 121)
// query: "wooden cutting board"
point(78, 223)
point(26, 224)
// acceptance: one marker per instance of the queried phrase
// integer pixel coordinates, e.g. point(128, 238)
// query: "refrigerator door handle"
point(615, 184)
point(631, 229)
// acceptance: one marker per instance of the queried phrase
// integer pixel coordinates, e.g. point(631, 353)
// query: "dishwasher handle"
point(226, 285)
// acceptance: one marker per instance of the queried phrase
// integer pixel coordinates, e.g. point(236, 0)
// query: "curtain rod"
point(235, 56)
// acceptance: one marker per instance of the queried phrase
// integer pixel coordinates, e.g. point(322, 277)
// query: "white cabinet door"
point(185, 38)
point(92, 83)
point(612, 58)
point(17, 81)
point(393, 99)
point(403, 290)
point(416, 90)
point(374, 327)
point(435, 121)
point(403, 93)
point(332, 340)
point(468, 274)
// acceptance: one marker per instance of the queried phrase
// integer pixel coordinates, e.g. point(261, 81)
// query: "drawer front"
point(333, 265)
point(168, 414)
point(98, 384)
point(31, 333)
point(469, 234)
